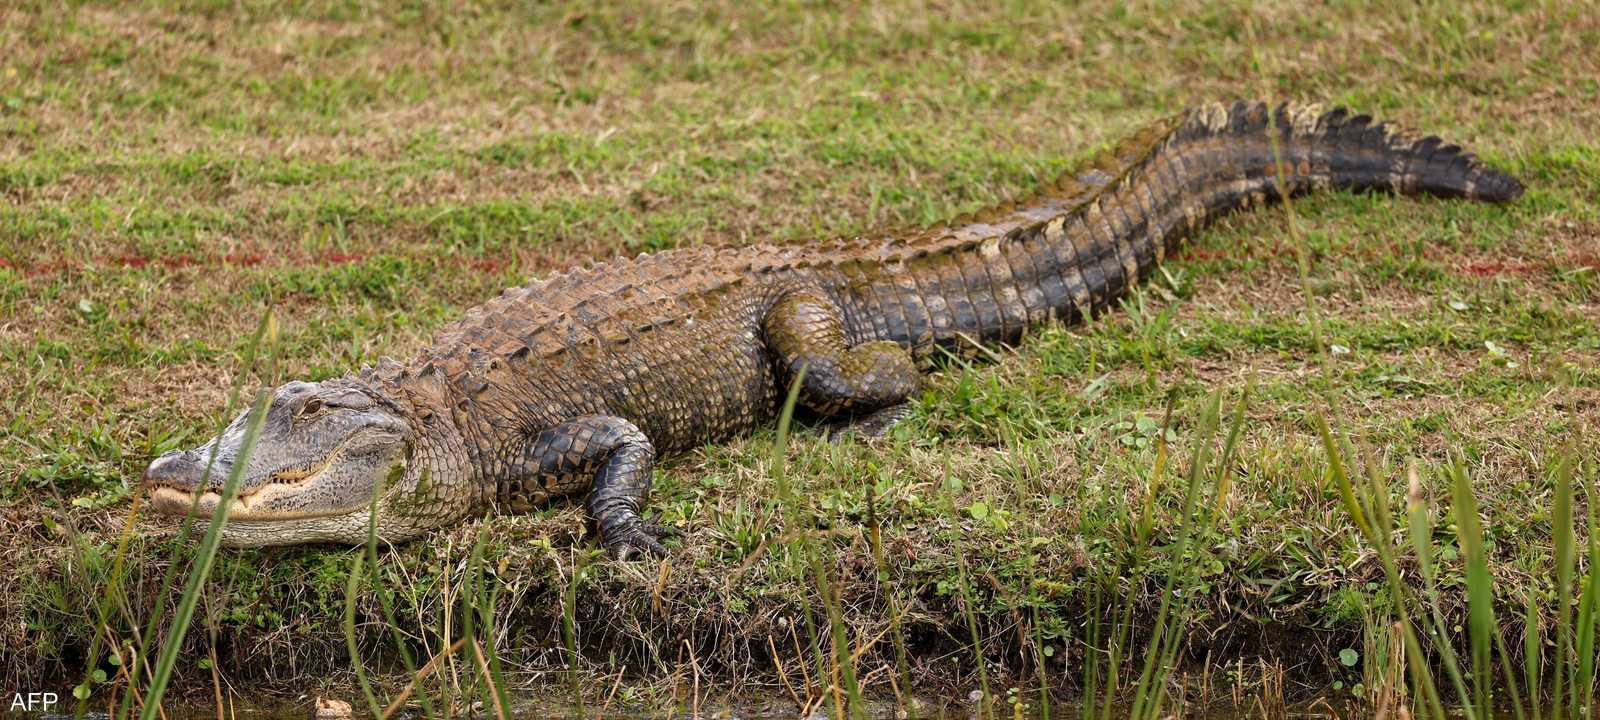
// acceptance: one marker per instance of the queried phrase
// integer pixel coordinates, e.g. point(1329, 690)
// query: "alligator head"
point(324, 450)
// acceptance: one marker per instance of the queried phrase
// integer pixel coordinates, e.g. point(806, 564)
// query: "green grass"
point(168, 173)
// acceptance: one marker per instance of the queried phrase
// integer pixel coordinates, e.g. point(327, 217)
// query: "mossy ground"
point(171, 171)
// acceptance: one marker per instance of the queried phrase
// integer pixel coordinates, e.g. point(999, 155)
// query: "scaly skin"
point(576, 384)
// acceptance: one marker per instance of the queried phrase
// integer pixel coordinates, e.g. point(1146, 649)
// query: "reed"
point(352, 588)
point(204, 559)
point(799, 526)
point(477, 610)
point(569, 628)
point(1489, 679)
point(948, 486)
point(1150, 690)
point(386, 603)
point(1482, 626)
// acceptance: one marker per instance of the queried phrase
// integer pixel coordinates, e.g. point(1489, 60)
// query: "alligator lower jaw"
point(172, 501)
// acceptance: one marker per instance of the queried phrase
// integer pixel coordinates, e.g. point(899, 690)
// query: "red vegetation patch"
point(188, 260)
point(1493, 268)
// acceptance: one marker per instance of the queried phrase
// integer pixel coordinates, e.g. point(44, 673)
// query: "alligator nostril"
point(174, 469)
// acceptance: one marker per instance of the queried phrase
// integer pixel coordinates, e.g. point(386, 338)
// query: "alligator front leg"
point(613, 459)
point(806, 329)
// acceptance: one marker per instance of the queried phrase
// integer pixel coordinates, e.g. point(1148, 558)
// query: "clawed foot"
point(642, 537)
point(871, 426)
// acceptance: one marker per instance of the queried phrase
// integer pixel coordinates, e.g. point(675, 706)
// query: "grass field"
point(168, 174)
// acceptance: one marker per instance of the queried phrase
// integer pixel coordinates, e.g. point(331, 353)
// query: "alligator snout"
point(177, 483)
point(182, 470)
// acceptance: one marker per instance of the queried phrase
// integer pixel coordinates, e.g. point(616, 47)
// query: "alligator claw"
point(641, 538)
point(872, 426)
point(658, 531)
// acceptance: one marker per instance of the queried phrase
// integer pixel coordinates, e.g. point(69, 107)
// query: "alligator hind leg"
point(805, 329)
point(613, 459)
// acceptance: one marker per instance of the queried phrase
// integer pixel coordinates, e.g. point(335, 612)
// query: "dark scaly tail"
point(989, 281)
point(1364, 155)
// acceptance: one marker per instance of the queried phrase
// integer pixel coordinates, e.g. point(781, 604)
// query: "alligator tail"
point(1198, 166)
point(1352, 152)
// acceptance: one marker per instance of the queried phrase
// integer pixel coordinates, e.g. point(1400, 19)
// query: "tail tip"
point(1497, 187)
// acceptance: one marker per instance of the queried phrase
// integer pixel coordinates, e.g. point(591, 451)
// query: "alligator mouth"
point(254, 504)
point(172, 501)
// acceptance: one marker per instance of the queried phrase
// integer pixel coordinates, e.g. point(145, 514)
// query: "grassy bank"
point(168, 174)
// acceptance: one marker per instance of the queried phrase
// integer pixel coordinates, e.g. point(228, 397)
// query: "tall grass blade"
point(1341, 480)
point(842, 659)
point(780, 447)
point(113, 595)
point(205, 559)
point(1368, 510)
point(964, 588)
point(569, 632)
point(791, 508)
point(1149, 690)
point(1420, 531)
point(896, 604)
point(1037, 635)
point(1562, 536)
point(265, 330)
point(1583, 680)
point(1122, 624)
point(1510, 676)
point(206, 554)
point(473, 612)
point(352, 585)
point(1224, 479)
point(1376, 501)
point(1203, 517)
point(1091, 654)
point(1121, 636)
point(386, 600)
point(1532, 652)
point(1481, 624)
point(493, 670)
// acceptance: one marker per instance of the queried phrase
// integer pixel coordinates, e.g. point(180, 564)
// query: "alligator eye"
point(310, 408)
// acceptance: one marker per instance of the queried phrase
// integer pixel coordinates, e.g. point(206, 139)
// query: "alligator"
point(577, 383)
